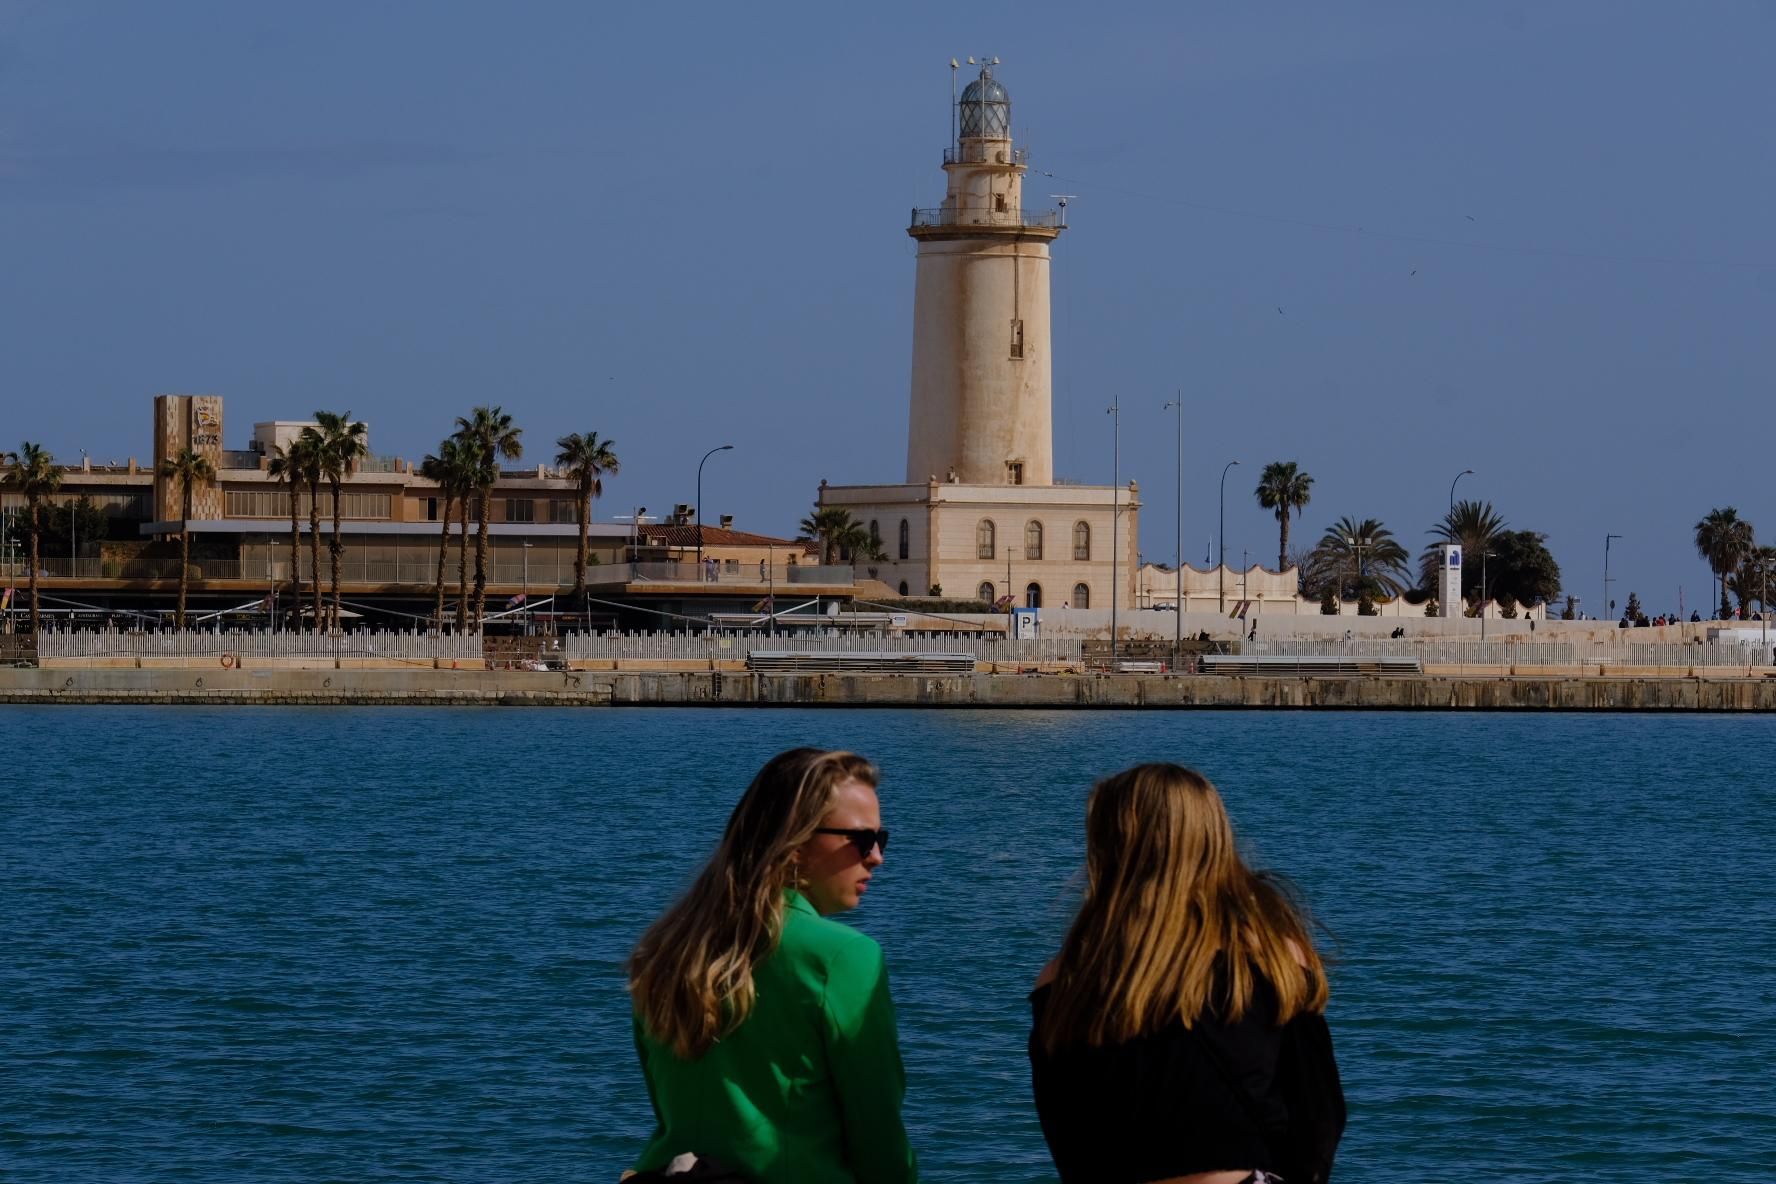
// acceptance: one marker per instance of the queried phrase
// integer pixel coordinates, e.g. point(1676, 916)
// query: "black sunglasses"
point(862, 837)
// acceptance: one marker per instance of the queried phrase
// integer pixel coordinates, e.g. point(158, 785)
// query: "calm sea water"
point(376, 944)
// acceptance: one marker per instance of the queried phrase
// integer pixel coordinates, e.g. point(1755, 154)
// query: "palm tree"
point(1360, 556)
point(37, 476)
point(451, 470)
point(491, 436)
point(1284, 488)
point(1724, 539)
point(1752, 580)
point(856, 542)
point(185, 469)
point(585, 458)
point(289, 467)
point(826, 525)
point(342, 446)
point(1474, 526)
point(312, 446)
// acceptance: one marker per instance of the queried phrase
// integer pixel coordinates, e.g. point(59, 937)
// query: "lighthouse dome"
point(986, 108)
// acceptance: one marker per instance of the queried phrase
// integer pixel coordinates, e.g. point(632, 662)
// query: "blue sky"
point(682, 226)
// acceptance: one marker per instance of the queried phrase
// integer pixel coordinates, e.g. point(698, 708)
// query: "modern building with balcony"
point(110, 548)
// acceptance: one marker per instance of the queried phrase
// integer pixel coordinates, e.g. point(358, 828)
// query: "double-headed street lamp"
point(706, 456)
point(1608, 605)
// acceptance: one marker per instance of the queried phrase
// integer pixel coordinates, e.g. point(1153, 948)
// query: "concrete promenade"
point(426, 687)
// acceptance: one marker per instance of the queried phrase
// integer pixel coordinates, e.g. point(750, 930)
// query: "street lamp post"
point(1356, 546)
point(635, 521)
point(525, 599)
point(706, 456)
point(1221, 567)
point(1484, 556)
point(1010, 600)
point(1115, 413)
point(1178, 597)
point(1608, 607)
point(1458, 477)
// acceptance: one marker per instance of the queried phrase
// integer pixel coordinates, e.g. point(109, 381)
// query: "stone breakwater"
point(423, 687)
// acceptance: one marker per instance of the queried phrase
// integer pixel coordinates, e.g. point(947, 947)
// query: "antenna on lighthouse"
point(954, 111)
point(1063, 198)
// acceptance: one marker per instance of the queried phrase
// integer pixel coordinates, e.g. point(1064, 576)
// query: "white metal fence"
point(363, 643)
point(1518, 652)
point(702, 646)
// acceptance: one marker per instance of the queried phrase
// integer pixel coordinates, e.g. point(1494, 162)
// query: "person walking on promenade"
point(1179, 1036)
point(765, 1031)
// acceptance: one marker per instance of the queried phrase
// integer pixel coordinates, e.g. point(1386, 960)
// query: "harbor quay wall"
point(349, 687)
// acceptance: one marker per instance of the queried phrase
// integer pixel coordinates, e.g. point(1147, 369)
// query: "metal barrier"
point(716, 647)
point(864, 662)
point(1306, 664)
point(1517, 652)
point(248, 644)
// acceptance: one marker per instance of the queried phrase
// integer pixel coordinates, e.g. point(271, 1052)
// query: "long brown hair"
point(1166, 898)
point(691, 973)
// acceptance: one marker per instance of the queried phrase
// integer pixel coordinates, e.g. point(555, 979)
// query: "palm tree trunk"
point(184, 551)
point(336, 550)
point(314, 547)
point(184, 571)
point(443, 554)
point(481, 555)
point(580, 555)
point(462, 566)
point(36, 531)
point(1283, 542)
point(295, 555)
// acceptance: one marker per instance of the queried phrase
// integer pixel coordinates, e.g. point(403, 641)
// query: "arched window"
point(1082, 540)
point(983, 539)
point(1032, 539)
point(903, 587)
point(905, 539)
point(1033, 596)
point(875, 533)
point(1082, 596)
point(985, 591)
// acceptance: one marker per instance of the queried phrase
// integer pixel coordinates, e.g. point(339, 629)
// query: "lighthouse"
point(980, 517)
point(980, 411)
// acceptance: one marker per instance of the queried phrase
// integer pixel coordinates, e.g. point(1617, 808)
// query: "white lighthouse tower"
point(981, 386)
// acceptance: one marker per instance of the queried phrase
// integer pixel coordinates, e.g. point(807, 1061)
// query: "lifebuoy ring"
point(228, 661)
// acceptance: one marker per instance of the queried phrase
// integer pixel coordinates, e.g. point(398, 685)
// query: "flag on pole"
point(516, 600)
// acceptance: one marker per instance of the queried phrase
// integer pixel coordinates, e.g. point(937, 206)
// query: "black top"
point(1212, 1097)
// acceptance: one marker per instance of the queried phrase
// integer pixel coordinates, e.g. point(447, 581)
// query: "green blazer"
point(808, 1089)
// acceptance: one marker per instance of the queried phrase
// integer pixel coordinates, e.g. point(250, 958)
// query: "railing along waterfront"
point(396, 645)
point(419, 646)
point(719, 647)
point(944, 216)
point(1519, 652)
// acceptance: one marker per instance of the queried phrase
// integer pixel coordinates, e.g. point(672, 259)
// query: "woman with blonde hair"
point(1180, 1034)
point(765, 1031)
